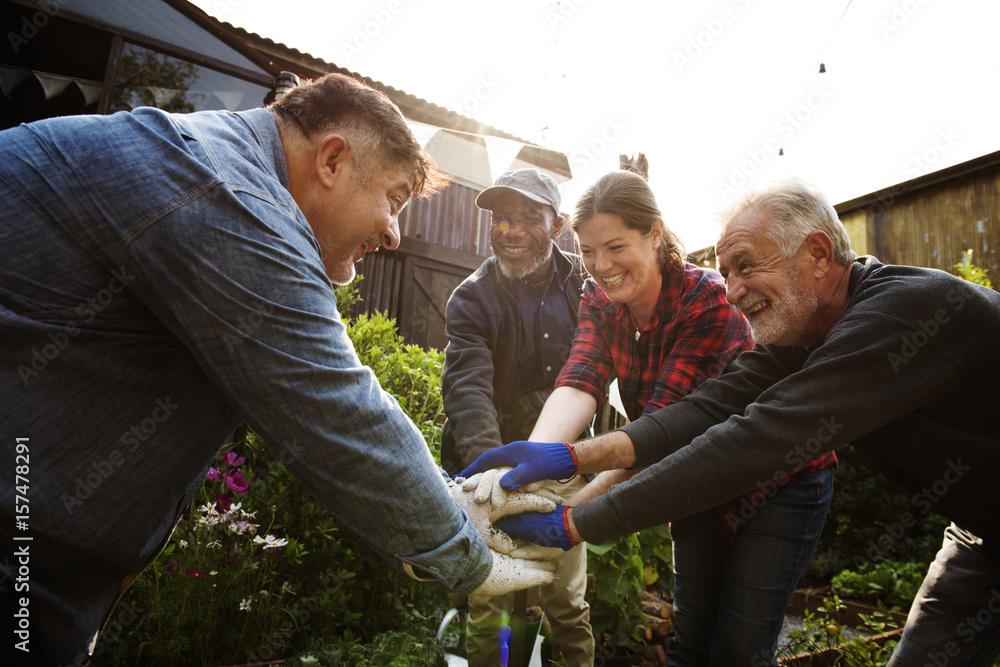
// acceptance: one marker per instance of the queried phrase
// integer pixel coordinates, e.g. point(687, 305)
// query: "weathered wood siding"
point(931, 225)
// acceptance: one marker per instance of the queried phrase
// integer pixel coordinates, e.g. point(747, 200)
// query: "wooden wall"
point(931, 224)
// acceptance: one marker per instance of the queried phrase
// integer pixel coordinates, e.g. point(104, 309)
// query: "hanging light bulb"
point(781, 151)
point(822, 68)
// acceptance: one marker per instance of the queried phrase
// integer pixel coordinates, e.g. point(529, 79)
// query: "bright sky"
point(708, 90)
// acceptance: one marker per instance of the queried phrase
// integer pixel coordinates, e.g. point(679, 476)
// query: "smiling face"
point(521, 233)
point(362, 218)
point(623, 261)
point(352, 210)
point(770, 290)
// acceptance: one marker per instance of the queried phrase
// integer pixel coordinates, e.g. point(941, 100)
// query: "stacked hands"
point(523, 524)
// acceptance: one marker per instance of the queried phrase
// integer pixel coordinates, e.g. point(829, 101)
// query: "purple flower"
point(287, 588)
point(195, 573)
point(212, 475)
point(171, 567)
point(236, 482)
point(223, 503)
point(234, 459)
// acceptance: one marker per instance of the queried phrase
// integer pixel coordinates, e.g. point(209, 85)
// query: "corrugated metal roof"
point(282, 57)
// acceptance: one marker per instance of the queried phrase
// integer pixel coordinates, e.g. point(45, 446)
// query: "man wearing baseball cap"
point(510, 327)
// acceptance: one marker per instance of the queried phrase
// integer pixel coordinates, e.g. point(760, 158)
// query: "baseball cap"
point(531, 183)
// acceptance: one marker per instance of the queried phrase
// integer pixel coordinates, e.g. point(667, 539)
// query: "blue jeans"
point(955, 618)
point(730, 600)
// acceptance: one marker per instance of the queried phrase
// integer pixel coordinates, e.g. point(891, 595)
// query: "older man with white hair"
point(897, 360)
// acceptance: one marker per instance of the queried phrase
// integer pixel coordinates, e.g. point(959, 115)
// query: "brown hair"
point(628, 195)
point(368, 119)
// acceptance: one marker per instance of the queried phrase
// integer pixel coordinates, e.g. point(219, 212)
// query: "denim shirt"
point(159, 286)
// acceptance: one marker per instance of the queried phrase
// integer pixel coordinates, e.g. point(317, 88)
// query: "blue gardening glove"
point(547, 530)
point(532, 461)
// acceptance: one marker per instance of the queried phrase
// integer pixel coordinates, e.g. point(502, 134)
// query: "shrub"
point(871, 520)
point(621, 568)
point(969, 271)
point(892, 583)
point(825, 633)
point(390, 649)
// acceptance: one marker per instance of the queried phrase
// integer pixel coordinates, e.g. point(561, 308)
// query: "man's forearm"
point(609, 451)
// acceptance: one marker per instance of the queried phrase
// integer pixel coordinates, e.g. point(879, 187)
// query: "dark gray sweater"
point(908, 375)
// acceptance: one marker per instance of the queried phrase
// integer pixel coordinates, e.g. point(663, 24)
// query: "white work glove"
point(487, 487)
point(485, 501)
point(513, 574)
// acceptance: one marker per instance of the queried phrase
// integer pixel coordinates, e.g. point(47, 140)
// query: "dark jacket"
point(907, 374)
point(488, 356)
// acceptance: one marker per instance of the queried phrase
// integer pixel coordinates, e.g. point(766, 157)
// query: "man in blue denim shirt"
point(164, 278)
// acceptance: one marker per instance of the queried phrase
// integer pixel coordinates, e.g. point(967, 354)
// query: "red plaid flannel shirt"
point(693, 335)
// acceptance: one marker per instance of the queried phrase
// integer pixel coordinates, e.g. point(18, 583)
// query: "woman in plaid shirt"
point(661, 326)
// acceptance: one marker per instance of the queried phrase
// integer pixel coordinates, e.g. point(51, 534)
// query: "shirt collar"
point(264, 128)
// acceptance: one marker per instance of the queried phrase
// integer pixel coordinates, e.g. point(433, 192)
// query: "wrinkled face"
point(361, 218)
point(623, 262)
point(770, 290)
point(521, 233)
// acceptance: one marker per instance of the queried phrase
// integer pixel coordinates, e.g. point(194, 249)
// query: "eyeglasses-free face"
point(521, 230)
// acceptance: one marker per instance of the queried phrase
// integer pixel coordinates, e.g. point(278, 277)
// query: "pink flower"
point(223, 503)
point(195, 573)
point(233, 459)
point(212, 475)
point(171, 567)
point(236, 482)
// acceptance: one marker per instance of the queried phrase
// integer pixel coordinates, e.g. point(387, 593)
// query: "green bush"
point(390, 649)
point(621, 568)
point(871, 520)
point(892, 583)
point(969, 271)
point(825, 633)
